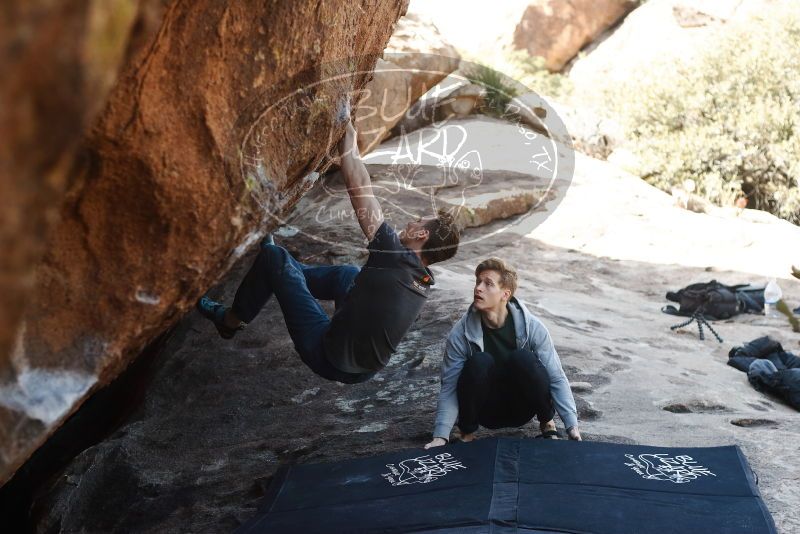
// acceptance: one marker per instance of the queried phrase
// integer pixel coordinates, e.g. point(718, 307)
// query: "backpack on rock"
point(715, 301)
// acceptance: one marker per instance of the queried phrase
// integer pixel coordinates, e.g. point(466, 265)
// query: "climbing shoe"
point(215, 312)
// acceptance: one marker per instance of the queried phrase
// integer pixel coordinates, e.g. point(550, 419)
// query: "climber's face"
point(415, 232)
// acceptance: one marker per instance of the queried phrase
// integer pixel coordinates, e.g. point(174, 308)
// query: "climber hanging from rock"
point(375, 305)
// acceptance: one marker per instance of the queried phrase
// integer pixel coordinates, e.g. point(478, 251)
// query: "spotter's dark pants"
point(501, 393)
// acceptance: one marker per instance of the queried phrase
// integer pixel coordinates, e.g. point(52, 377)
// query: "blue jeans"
point(297, 288)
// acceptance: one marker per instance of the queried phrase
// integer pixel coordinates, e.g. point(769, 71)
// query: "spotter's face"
point(488, 295)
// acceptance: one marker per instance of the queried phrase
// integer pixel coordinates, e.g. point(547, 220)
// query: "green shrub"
point(727, 118)
point(500, 89)
point(527, 72)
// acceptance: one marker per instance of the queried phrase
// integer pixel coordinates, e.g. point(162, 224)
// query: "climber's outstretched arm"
point(359, 185)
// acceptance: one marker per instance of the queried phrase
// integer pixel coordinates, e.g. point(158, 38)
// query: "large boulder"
point(59, 59)
point(204, 138)
point(553, 29)
point(416, 59)
point(558, 30)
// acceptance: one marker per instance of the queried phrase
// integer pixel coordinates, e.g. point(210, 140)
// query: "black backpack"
point(715, 301)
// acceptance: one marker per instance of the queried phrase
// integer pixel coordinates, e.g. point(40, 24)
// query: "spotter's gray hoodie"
point(467, 336)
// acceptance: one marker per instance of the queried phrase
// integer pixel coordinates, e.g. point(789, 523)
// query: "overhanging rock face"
point(59, 60)
point(217, 122)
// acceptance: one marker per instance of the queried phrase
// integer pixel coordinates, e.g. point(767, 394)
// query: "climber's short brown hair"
point(444, 235)
point(508, 275)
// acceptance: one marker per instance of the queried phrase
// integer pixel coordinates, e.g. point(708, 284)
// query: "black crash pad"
point(518, 485)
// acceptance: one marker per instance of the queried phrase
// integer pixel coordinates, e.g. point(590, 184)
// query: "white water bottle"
point(772, 294)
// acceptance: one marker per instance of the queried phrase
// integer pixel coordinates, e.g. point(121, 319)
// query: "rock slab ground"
point(221, 416)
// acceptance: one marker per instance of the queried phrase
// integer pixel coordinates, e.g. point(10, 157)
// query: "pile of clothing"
point(769, 368)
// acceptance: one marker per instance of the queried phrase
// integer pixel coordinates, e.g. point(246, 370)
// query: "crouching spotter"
point(500, 367)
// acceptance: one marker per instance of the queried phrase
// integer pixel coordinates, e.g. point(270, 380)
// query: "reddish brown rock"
point(203, 137)
point(58, 61)
point(557, 30)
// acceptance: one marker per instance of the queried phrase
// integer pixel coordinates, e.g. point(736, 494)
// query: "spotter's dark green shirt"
point(500, 342)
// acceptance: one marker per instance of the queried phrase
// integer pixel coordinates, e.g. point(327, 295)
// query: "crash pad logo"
point(422, 469)
point(676, 469)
